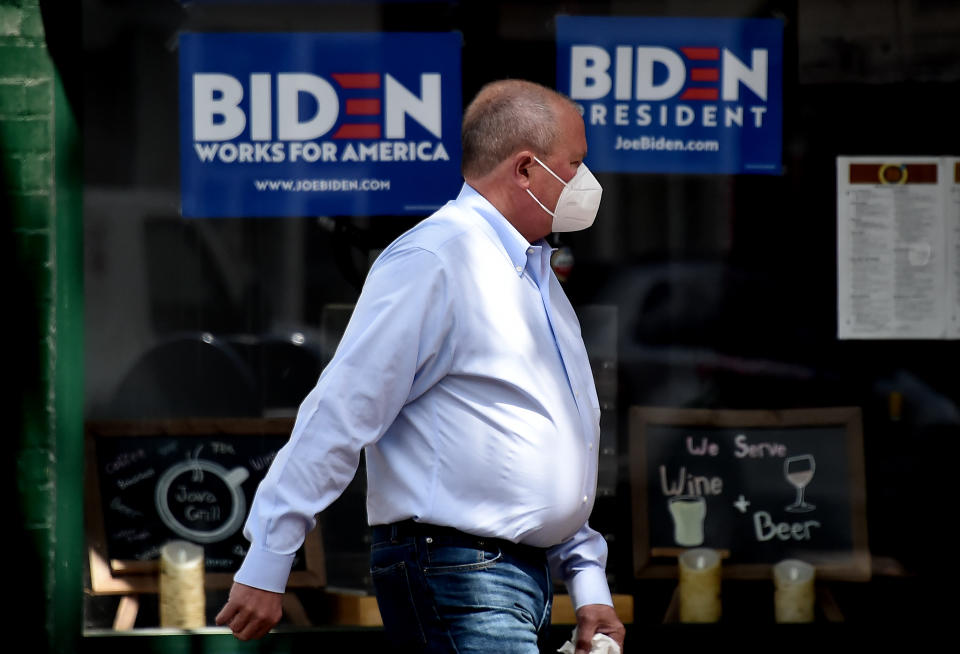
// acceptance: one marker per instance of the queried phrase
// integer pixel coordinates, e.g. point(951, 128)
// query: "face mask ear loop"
point(539, 202)
point(550, 171)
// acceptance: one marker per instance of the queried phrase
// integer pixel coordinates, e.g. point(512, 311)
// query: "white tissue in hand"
point(601, 644)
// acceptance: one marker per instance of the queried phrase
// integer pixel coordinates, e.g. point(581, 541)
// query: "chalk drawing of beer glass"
point(688, 512)
point(799, 471)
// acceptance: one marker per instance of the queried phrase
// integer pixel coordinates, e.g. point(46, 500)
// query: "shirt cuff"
point(265, 570)
point(589, 586)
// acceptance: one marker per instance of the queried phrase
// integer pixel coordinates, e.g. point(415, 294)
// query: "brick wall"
point(39, 198)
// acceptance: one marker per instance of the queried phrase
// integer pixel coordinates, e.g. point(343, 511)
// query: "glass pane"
point(707, 291)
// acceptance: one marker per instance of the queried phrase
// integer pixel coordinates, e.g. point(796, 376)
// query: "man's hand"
point(597, 618)
point(251, 612)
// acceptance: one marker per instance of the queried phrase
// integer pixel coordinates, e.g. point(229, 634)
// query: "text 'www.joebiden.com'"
point(321, 185)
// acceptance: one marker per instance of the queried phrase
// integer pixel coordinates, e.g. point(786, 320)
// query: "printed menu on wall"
point(898, 247)
point(953, 241)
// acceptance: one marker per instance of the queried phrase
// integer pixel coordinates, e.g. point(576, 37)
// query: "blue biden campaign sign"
point(307, 124)
point(676, 95)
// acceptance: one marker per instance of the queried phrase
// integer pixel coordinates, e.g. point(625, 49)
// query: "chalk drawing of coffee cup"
point(688, 513)
point(202, 501)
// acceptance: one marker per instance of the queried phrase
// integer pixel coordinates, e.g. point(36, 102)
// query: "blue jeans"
point(441, 591)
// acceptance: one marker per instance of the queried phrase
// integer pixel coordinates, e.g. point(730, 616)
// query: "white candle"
point(182, 597)
point(700, 585)
point(793, 597)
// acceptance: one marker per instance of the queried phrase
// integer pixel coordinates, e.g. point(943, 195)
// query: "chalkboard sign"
point(760, 486)
point(160, 480)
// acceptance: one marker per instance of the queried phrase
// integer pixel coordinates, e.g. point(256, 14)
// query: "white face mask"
point(578, 202)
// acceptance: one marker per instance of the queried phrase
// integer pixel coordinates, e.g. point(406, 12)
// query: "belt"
point(438, 535)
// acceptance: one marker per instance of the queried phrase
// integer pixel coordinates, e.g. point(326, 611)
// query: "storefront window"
point(695, 289)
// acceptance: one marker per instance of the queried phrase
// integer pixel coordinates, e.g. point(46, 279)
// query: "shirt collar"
point(514, 244)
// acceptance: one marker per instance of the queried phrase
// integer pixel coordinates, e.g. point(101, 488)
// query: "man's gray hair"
point(507, 116)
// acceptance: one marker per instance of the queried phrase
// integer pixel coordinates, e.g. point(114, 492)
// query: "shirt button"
point(529, 250)
point(589, 446)
point(519, 268)
point(585, 499)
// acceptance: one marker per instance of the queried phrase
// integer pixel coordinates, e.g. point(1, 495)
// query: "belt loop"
point(393, 533)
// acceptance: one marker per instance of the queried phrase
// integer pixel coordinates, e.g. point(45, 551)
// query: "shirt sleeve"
point(396, 345)
point(581, 563)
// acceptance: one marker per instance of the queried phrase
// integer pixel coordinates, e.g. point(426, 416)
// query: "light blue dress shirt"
point(463, 374)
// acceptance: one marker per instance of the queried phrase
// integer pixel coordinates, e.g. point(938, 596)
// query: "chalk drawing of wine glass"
point(799, 471)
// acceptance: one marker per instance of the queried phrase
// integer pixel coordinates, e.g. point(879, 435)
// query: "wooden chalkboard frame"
point(649, 563)
point(123, 577)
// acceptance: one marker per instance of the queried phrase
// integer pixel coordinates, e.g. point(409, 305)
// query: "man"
point(463, 375)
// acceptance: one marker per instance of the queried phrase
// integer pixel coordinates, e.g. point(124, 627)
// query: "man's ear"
point(522, 161)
